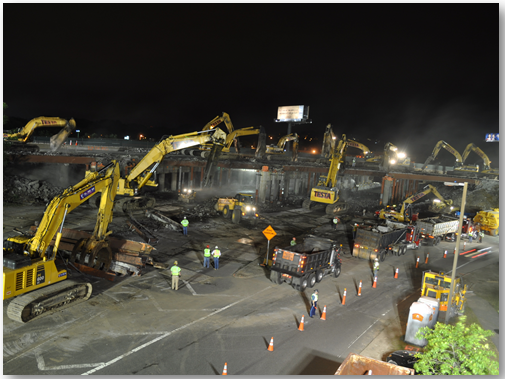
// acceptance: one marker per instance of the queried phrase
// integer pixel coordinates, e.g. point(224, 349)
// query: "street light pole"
point(448, 314)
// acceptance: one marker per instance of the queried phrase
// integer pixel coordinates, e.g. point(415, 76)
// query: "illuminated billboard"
point(292, 113)
point(493, 137)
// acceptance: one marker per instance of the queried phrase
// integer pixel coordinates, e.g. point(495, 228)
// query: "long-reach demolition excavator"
point(23, 135)
point(140, 175)
point(31, 273)
point(404, 213)
point(487, 163)
point(326, 191)
point(458, 165)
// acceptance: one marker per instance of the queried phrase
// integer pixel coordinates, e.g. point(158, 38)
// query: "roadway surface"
point(138, 325)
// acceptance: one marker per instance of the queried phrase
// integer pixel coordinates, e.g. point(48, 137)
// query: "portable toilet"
point(420, 315)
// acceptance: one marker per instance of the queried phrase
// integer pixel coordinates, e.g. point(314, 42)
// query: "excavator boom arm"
point(172, 143)
point(26, 132)
point(100, 181)
point(471, 147)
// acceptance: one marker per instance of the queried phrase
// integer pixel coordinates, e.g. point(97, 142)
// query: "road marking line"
point(168, 334)
point(42, 365)
point(189, 287)
point(362, 334)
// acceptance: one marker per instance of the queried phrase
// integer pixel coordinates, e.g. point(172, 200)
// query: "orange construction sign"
point(269, 233)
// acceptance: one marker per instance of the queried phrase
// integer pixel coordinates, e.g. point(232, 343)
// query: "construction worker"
point(313, 303)
point(293, 241)
point(206, 257)
point(354, 230)
point(353, 161)
point(216, 253)
point(364, 212)
point(335, 222)
point(375, 267)
point(185, 224)
point(176, 272)
point(481, 236)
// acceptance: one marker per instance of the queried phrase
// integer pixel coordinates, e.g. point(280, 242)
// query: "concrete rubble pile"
point(20, 190)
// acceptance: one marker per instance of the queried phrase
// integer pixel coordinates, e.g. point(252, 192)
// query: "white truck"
point(432, 230)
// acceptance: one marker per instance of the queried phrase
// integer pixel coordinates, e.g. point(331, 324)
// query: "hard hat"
point(217, 247)
point(207, 245)
point(175, 263)
point(376, 259)
point(184, 216)
point(316, 290)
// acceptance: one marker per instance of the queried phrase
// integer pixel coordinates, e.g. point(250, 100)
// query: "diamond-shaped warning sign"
point(269, 233)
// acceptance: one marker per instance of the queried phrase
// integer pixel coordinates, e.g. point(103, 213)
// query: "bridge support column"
point(161, 182)
point(274, 195)
point(258, 179)
point(265, 177)
point(286, 182)
point(387, 190)
point(173, 173)
point(297, 183)
point(282, 189)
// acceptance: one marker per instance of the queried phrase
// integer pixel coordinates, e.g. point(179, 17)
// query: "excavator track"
point(47, 300)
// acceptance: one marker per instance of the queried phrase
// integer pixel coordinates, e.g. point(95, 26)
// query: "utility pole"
point(448, 314)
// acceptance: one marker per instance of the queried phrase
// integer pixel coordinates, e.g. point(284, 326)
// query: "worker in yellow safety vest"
point(176, 273)
point(206, 257)
point(185, 224)
point(216, 253)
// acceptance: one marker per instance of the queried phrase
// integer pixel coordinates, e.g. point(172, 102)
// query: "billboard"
point(292, 113)
point(493, 137)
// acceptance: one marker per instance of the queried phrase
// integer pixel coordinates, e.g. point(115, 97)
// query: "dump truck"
point(432, 230)
point(240, 207)
point(489, 221)
point(306, 264)
point(355, 364)
point(376, 241)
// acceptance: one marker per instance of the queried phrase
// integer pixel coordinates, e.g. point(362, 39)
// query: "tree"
point(456, 350)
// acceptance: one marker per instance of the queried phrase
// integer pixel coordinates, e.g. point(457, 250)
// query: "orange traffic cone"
point(427, 257)
point(323, 316)
point(225, 370)
point(359, 288)
point(271, 346)
point(417, 262)
point(396, 273)
point(300, 327)
point(374, 282)
point(445, 254)
point(454, 252)
point(343, 297)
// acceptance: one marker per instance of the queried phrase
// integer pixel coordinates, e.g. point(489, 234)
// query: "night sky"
point(410, 74)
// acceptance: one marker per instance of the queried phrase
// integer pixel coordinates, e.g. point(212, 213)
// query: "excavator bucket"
point(57, 140)
point(260, 149)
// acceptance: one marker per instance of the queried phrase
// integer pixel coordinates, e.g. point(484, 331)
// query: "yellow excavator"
point(23, 135)
point(404, 213)
point(487, 163)
point(458, 165)
point(31, 274)
point(326, 191)
point(140, 175)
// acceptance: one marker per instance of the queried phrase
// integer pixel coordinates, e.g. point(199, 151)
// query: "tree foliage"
point(456, 350)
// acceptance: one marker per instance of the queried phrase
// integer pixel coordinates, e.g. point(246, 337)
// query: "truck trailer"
point(432, 230)
point(376, 241)
point(306, 264)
